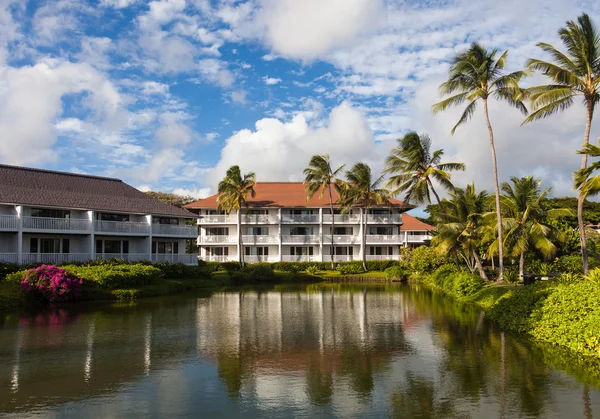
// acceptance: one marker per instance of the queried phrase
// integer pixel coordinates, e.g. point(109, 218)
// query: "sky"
point(168, 94)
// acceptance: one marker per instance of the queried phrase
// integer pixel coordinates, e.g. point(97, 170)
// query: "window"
point(165, 220)
point(112, 246)
point(258, 212)
point(104, 216)
point(217, 251)
point(49, 213)
point(49, 245)
point(217, 231)
point(257, 231)
point(384, 231)
point(381, 250)
point(66, 246)
point(301, 231)
point(300, 251)
point(165, 247)
point(380, 212)
point(214, 212)
point(342, 231)
point(256, 251)
point(342, 251)
point(33, 245)
point(301, 212)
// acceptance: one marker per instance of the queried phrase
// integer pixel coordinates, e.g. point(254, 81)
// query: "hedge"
point(118, 276)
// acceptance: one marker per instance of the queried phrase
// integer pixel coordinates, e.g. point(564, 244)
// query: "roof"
point(47, 188)
point(283, 194)
point(410, 223)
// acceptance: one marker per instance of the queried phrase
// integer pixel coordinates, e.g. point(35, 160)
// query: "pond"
point(314, 351)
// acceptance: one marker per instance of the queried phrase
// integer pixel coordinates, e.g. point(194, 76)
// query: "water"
point(314, 351)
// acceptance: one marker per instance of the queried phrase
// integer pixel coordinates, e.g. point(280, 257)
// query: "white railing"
point(417, 238)
point(175, 230)
point(188, 259)
point(127, 227)
point(384, 219)
point(218, 219)
point(9, 222)
point(259, 239)
point(308, 218)
point(129, 257)
point(339, 258)
point(217, 239)
point(9, 257)
point(341, 239)
point(259, 219)
point(381, 257)
point(383, 238)
point(303, 239)
point(300, 258)
point(45, 223)
point(216, 258)
point(55, 257)
point(256, 259)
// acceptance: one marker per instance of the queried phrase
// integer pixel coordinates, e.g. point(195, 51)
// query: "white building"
point(54, 217)
point(281, 225)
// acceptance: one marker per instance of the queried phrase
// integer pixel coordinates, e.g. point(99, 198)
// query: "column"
point(19, 209)
point(360, 234)
point(149, 221)
point(92, 235)
point(279, 232)
point(406, 239)
point(321, 232)
point(201, 249)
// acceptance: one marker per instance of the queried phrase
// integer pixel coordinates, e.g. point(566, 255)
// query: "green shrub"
point(540, 268)
point(569, 263)
point(16, 276)
point(380, 265)
point(396, 273)
point(350, 268)
point(444, 273)
point(511, 275)
point(7, 268)
point(465, 284)
point(312, 270)
point(514, 311)
point(594, 276)
point(568, 277)
point(425, 259)
point(116, 276)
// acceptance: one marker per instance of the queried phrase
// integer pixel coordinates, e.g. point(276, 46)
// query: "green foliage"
point(180, 270)
point(570, 277)
point(514, 311)
point(220, 266)
point(443, 273)
point(7, 268)
point(594, 276)
point(312, 270)
point(569, 263)
point(465, 284)
point(396, 273)
point(425, 259)
point(116, 276)
point(538, 267)
point(380, 265)
point(350, 268)
point(511, 275)
point(257, 272)
point(171, 198)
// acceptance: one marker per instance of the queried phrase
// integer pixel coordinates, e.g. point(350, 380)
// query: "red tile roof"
point(410, 223)
point(283, 194)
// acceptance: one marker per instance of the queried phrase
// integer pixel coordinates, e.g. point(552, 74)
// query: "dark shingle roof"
point(21, 185)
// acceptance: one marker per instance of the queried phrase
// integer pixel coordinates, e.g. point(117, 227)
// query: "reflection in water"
point(325, 350)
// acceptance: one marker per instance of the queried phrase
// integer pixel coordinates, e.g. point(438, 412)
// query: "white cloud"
point(173, 131)
point(211, 136)
point(95, 51)
point(216, 72)
point(198, 193)
point(119, 4)
point(239, 97)
point(155, 88)
point(271, 80)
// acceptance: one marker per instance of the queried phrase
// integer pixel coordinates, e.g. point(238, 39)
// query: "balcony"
point(418, 238)
point(187, 259)
point(59, 224)
point(9, 222)
point(259, 219)
point(217, 239)
point(342, 218)
point(218, 258)
point(300, 219)
point(174, 230)
point(300, 239)
point(381, 238)
point(300, 258)
point(55, 257)
point(9, 257)
point(257, 259)
point(259, 239)
point(218, 219)
point(122, 227)
point(128, 257)
point(341, 239)
point(381, 257)
point(384, 219)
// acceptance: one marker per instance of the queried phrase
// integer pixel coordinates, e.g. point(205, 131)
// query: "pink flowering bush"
point(51, 283)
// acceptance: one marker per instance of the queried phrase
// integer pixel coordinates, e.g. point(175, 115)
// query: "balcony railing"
point(65, 224)
point(384, 219)
point(342, 218)
point(217, 258)
point(381, 257)
point(188, 259)
point(339, 258)
point(218, 219)
point(174, 230)
point(9, 222)
point(307, 218)
point(256, 259)
point(259, 219)
point(217, 239)
point(300, 258)
point(341, 239)
point(259, 239)
point(382, 238)
point(301, 239)
point(55, 257)
point(129, 257)
point(126, 227)
point(417, 238)
point(9, 257)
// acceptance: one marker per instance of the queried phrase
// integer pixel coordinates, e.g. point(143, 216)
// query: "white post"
point(360, 232)
point(406, 239)
point(149, 221)
point(19, 209)
point(279, 231)
point(321, 232)
point(92, 235)
point(239, 233)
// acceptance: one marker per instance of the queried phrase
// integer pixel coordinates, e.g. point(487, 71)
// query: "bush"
point(465, 284)
point(569, 263)
point(180, 270)
point(117, 276)
point(50, 283)
point(425, 259)
point(380, 265)
point(443, 273)
point(594, 276)
point(312, 270)
point(7, 268)
point(350, 268)
point(541, 268)
point(511, 276)
point(396, 273)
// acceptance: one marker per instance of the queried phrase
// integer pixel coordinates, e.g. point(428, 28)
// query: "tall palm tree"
point(525, 216)
point(362, 191)
point(459, 222)
point(413, 165)
point(477, 75)
point(234, 191)
point(318, 177)
point(574, 73)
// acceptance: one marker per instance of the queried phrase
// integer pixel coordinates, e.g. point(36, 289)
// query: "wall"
point(77, 243)
point(8, 242)
point(8, 210)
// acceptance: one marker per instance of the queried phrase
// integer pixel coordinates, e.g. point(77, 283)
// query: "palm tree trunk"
point(437, 197)
point(522, 264)
point(240, 246)
point(581, 197)
point(332, 228)
point(497, 190)
point(479, 265)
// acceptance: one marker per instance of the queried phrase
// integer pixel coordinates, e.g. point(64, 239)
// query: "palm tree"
point(363, 192)
point(234, 191)
point(460, 221)
point(318, 177)
point(524, 218)
point(413, 165)
point(574, 73)
point(477, 74)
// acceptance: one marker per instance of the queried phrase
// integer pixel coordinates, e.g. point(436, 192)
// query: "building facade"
point(281, 225)
point(55, 217)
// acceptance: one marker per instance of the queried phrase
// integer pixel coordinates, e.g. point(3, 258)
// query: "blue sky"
point(167, 94)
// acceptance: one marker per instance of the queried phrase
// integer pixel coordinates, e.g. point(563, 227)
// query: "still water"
point(314, 351)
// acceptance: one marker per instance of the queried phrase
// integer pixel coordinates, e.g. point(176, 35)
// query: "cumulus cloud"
point(271, 80)
point(239, 97)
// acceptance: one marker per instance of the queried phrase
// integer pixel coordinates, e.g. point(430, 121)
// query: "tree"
point(460, 221)
point(525, 218)
point(234, 191)
point(363, 192)
point(574, 73)
point(171, 198)
point(477, 75)
point(413, 166)
point(319, 176)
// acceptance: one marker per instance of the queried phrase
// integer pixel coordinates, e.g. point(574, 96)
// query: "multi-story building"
point(54, 217)
point(280, 224)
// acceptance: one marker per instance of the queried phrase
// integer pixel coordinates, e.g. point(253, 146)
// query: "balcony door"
point(44, 245)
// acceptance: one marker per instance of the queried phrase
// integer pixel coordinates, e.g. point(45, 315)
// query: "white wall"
point(77, 243)
point(8, 242)
point(8, 210)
